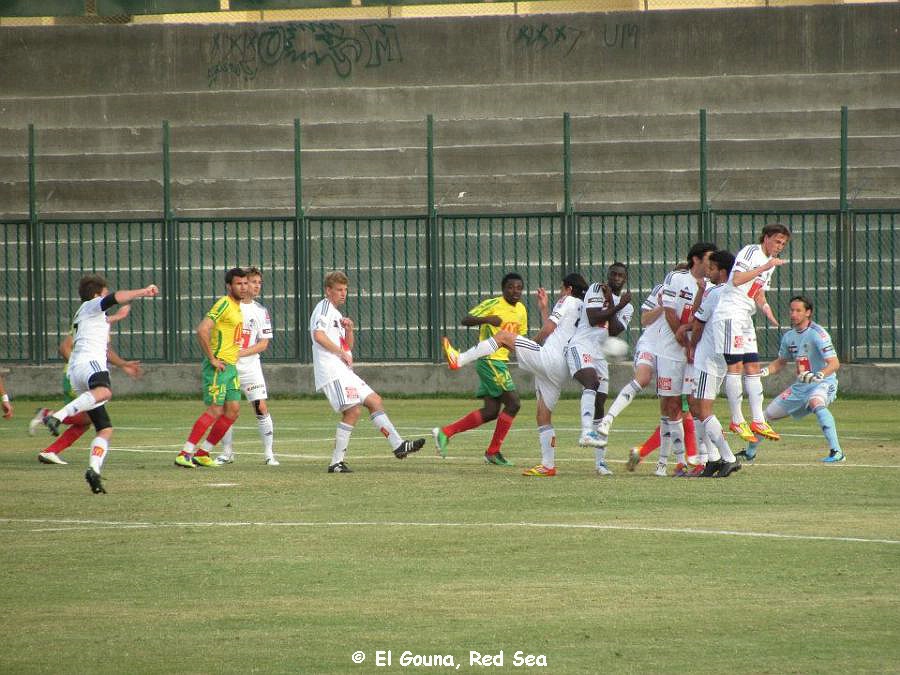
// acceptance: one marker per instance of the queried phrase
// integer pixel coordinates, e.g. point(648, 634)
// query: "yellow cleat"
point(763, 429)
point(540, 470)
point(450, 353)
point(184, 461)
point(204, 460)
point(743, 430)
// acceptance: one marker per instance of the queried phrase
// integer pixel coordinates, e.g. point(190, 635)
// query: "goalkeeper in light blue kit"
point(809, 346)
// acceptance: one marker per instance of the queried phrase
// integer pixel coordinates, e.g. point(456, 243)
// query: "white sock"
point(99, 448)
point(383, 423)
point(482, 349)
point(547, 437)
point(735, 393)
point(588, 398)
point(84, 402)
point(753, 385)
point(600, 457)
point(665, 440)
point(228, 442)
point(676, 431)
point(624, 399)
point(714, 433)
point(341, 441)
point(188, 447)
point(702, 442)
point(266, 433)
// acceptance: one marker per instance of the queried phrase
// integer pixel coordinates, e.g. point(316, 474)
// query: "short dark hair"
point(234, 272)
point(90, 285)
point(699, 250)
point(619, 264)
point(774, 228)
point(724, 259)
point(807, 303)
point(577, 283)
point(511, 276)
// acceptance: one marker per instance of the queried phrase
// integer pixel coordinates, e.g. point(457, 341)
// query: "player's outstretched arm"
point(124, 297)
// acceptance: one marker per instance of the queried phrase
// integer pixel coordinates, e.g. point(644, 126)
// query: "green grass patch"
point(788, 566)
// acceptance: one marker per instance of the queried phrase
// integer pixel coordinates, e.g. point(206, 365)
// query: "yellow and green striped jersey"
point(225, 336)
point(514, 318)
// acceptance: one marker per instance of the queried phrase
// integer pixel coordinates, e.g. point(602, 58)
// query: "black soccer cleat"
point(711, 468)
point(729, 468)
point(52, 424)
point(93, 479)
point(408, 447)
point(340, 467)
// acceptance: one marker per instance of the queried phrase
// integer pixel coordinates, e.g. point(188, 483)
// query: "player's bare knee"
point(261, 408)
point(511, 408)
point(374, 403)
point(350, 416)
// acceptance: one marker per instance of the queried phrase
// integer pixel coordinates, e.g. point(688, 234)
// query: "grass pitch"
point(788, 566)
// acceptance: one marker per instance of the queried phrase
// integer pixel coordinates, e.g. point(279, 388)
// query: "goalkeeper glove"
point(810, 376)
point(764, 372)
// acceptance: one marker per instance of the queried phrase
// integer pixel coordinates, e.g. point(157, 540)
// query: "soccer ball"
point(615, 348)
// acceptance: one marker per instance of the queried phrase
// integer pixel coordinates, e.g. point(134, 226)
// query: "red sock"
point(80, 419)
point(690, 436)
point(218, 430)
point(69, 436)
point(650, 444)
point(203, 423)
point(470, 421)
point(504, 422)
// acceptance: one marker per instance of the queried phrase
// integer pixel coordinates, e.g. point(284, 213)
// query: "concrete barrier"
point(396, 378)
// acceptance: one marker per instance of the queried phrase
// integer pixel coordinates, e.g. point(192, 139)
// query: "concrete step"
point(386, 133)
point(541, 99)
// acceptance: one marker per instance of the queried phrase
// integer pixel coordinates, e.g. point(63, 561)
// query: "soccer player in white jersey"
point(255, 337)
point(709, 370)
point(679, 290)
point(332, 343)
point(733, 330)
point(809, 346)
point(5, 403)
point(644, 360)
point(544, 357)
point(606, 312)
point(87, 369)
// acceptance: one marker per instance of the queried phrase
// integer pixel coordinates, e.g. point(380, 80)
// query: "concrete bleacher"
point(497, 102)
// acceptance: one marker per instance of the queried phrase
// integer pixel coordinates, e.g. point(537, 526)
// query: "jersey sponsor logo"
point(351, 393)
point(587, 359)
point(803, 364)
point(738, 341)
point(755, 287)
point(664, 383)
point(685, 294)
point(645, 356)
point(510, 327)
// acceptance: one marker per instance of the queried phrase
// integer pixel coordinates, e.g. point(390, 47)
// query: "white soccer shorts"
point(347, 391)
point(549, 370)
point(670, 377)
point(80, 372)
point(734, 336)
point(253, 383)
point(707, 385)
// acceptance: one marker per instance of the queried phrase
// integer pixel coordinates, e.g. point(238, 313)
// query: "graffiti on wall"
point(244, 54)
point(563, 39)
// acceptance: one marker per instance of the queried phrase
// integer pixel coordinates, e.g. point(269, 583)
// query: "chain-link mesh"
point(875, 302)
point(129, 254)
point(15, 325)
point(811, 269)
point(477, 251)
point(386, 260)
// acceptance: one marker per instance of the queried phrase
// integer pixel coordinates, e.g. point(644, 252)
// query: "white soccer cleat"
point(224, 459)
point(50, 458)
point(38, 420)
point(603, 470)
point(604, 426)
point(661, 470)
point(271, 461)
point(591, 439)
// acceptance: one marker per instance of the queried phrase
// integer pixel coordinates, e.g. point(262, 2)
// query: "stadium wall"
point(399, 378)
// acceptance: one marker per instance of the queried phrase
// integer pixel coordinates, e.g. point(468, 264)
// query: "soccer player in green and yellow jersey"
point(495, 386)
point(219, 335)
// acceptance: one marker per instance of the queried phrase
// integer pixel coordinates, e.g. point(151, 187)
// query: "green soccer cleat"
point(440, 441)
point(184, 461)
point(204, 460)
point(497, 458)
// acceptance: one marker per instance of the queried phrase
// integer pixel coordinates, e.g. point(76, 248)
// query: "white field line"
point(70, 525)
point(250, 456)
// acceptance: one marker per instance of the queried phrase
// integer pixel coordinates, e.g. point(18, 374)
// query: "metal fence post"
point(302, 279)
point(705, 220)
point(433, 247)
point(569, 244)
point(170, 255)
point(35, 260)
point(846, 309)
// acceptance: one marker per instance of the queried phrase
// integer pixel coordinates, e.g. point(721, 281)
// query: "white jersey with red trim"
point(566, 313)
point(257, 326)
point(738, 301)
point(327, 366)
point(678, 292)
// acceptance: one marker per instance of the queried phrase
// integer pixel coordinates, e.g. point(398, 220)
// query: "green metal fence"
point(388, 260)
point(414, 277)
